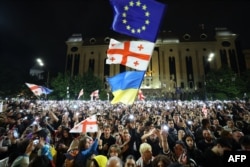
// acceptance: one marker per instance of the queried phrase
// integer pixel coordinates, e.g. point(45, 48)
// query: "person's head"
point(146, 152)
point(181, 133)
point(246, 117)
point(114, 151)
point(207, 135)
point(245, 142)
point(226, 134)
point(221, 145)
point(99, 161)
point(106, 131)
point(114, 162)
point(41, 161)
point(230, 123)
point(237, 134)
point(171, 123)
point(189, 141)
point(84, 143)
point(179, 148)
point(41, 135)
point(216, 122)
point(161, 161)
point(126, 134)
point(130, 161)
point(120, 128)
point(205, 122)
point(65, 132)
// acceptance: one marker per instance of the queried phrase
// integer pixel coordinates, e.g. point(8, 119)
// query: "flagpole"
point(140, 85)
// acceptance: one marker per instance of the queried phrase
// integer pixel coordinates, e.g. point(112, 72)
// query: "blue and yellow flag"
point(125, 86)
point(138, 18)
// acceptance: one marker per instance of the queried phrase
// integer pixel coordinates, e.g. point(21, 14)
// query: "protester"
point(155, 123)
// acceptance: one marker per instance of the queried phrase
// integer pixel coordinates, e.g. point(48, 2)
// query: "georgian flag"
point(141, 96)
point(87, 125)
point(95, 93)
point(134, 54)
point(36, 89)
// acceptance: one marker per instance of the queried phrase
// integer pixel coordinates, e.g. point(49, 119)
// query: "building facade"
point(178, 63)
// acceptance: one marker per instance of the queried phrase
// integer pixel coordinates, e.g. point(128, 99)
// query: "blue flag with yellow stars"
point(138, 18)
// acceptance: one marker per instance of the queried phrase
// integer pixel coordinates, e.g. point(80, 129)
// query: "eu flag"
point(138, 18)
point(125, 86)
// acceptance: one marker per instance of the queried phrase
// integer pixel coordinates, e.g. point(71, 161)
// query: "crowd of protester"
point(145, 134)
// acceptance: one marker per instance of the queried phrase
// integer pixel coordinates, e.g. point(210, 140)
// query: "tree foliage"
point(88, 82)
point(224, 83)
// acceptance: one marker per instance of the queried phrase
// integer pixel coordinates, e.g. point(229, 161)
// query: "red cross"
point(126, 52)
point(85, 123)
point(136, 63)
point(112, 59)
point(140, 47)
point(34, 87)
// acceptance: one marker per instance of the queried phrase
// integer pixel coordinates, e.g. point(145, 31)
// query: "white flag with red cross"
point(134, 54)
point(87, 125)
point(141, 96)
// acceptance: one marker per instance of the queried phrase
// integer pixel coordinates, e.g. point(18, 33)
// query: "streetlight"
point(41, 64)
point(205, 63)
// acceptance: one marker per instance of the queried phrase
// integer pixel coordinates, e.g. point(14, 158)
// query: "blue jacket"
point(83, 156)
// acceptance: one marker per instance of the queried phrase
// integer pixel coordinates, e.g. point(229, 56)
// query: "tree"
point(224, 83)
point(59, 85)
point(87, 81)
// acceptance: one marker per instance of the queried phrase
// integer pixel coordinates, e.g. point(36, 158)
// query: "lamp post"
point(205, 63)
point(41, 64)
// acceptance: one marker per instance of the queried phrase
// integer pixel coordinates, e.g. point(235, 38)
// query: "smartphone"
point(36, 141)
point(15, 134)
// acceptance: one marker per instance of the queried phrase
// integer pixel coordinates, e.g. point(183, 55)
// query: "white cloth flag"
point(134, 54)
point(141, 96)
point(36, 89)
point(80, 94)
point(87, 125)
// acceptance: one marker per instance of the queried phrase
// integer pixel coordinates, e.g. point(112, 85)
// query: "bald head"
point(114, 162)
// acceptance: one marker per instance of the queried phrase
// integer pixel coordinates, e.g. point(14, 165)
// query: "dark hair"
point(185, 137)
point(205, 121)
point(180, 142)
point(130, 157)
point(224, 142)
point(117, 148)
point(245, 140)
point(82, 143)
point(163, 158)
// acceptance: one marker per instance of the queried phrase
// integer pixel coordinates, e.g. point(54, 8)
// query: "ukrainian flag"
point(125, 86)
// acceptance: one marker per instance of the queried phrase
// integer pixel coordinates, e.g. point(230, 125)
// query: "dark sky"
point(39, 28)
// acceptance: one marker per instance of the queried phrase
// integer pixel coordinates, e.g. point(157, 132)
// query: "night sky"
point(36, 28)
